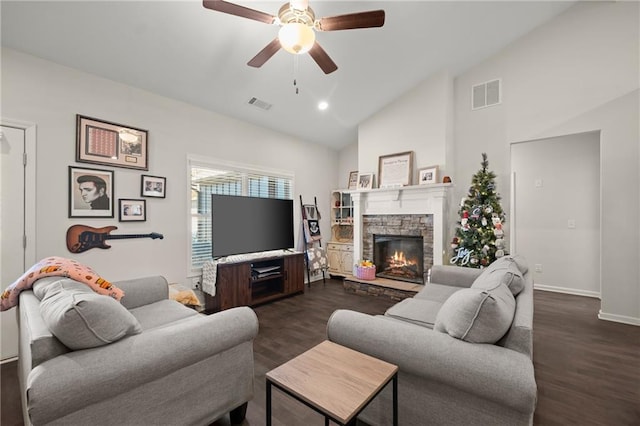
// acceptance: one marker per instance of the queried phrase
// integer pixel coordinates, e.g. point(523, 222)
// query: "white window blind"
point(207, 179)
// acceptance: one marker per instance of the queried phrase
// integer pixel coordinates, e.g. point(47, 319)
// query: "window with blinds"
point(207, 179)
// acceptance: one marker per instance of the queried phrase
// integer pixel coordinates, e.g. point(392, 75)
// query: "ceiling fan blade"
point(265, 54)
point(373, 18)
point(322, 59)
point(237, 10)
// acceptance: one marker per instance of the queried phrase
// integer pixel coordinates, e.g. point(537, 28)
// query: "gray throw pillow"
point(81, 318)
point(41, 286)
point(520, 261)
point(477, 315)
point(503, 270)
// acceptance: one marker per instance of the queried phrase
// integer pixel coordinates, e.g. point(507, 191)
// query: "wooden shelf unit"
point(238, 285)
point(340, 248)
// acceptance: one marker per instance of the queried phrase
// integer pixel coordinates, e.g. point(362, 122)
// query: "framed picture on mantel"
point(353, 180)
point(395, 170)
point(428, 175)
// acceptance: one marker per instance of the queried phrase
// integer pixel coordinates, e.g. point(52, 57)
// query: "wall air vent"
point(486, 94)
point(260, 104)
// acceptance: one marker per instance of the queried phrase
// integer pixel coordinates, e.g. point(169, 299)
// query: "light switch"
point(571, 224)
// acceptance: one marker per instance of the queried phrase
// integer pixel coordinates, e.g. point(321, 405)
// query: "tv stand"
point(256, 281)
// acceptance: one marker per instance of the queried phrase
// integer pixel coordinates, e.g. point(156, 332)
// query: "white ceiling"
point(183, 51)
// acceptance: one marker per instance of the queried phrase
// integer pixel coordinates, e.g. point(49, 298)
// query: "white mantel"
point(416, 199)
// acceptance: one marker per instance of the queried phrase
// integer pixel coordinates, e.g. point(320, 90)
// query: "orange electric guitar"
point(82, 238)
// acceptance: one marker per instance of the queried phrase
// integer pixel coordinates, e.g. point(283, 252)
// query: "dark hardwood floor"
point(587, 370)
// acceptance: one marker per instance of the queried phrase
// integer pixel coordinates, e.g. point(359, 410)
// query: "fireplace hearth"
point(399, 257)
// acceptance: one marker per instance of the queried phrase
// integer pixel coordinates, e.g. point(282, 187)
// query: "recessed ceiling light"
point(323, 105)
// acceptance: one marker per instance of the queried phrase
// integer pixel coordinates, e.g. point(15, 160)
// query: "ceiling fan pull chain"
point(295, 73)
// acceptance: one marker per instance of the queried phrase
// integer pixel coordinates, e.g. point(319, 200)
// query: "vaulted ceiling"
point(181, 50)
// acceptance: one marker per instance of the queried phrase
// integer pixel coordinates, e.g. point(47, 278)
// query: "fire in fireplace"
point(399, 257)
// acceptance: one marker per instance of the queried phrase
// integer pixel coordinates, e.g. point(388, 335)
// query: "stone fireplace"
point(399, 257)
point(411, 235)
point(416, 211)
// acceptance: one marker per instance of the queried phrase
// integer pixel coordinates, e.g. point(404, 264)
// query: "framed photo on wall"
point(428, 175)
point(110, 144)
point(132, 210)
point(90, 192)
point(153, 186)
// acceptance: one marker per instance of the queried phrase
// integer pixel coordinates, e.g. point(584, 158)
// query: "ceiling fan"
point(298, 22)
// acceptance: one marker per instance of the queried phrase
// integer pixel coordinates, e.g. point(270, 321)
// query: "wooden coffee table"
point(336, 381)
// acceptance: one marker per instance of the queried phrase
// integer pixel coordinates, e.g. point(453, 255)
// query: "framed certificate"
point(395, 170)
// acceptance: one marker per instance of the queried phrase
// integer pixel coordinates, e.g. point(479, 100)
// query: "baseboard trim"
point(7, 360)
point(566, 290)
point(618, 318)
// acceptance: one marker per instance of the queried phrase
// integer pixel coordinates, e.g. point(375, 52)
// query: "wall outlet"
point(538, 267)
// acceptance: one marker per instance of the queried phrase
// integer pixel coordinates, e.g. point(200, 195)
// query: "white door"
point(13, 257)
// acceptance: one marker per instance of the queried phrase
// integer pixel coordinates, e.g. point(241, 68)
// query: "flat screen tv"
point(250, 224)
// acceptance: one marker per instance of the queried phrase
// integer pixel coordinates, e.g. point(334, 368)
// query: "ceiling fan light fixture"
point(296, 38)
point(299, 4)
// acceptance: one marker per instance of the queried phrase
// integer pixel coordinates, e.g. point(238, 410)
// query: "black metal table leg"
point(395, 400)
point(268, 402)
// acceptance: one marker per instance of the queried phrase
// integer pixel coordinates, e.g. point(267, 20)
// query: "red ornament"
point(465, 214)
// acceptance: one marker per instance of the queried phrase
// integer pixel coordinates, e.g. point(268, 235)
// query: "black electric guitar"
point(82, 238)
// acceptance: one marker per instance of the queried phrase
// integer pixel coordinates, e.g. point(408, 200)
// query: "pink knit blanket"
point(57, 267)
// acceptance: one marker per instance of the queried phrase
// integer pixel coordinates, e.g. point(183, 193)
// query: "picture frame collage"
point(394, 171)
point(92, 190)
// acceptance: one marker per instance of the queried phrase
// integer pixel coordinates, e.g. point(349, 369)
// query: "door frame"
point(513, 214)
point(30, 135)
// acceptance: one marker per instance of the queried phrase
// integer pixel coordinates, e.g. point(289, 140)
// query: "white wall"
point(557, 180)
point(347, 163)
point(38, 91)
point(578, 73)
point(418, 121)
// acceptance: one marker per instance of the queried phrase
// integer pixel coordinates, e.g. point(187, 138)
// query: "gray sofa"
point(86, 359)
point(463, 345)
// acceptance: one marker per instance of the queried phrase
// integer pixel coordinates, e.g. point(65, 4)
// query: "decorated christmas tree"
point(479, 236)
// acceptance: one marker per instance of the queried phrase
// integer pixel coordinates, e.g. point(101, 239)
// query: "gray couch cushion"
point(143, 291)
point(37, 344)
point(81, 318)
point(164, 312)
point(477, 315)
point(503, 270)
point(421, 312)
point(40, 286)
point(436, 292)
point(520, 261)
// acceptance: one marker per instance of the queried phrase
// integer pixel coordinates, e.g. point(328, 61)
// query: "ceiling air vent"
point(260, 104)
point(486, 94)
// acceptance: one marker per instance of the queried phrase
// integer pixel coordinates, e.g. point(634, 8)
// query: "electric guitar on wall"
point(82, 238)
